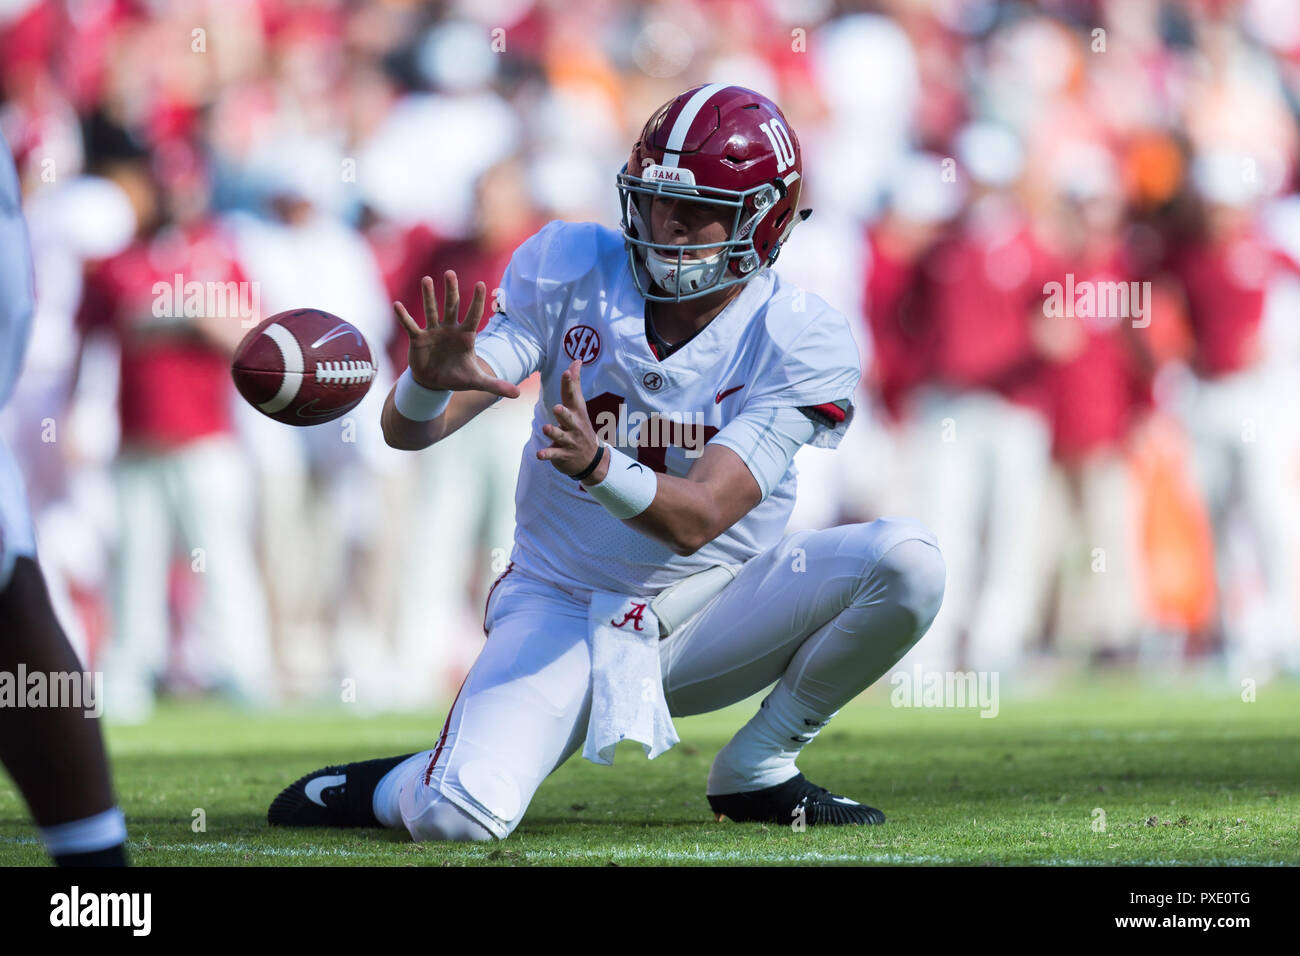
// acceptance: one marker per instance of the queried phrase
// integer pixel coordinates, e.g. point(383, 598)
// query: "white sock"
point(87, 835)
point(385, 801)
point(763, 752)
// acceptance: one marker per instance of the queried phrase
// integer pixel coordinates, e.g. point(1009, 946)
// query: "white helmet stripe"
point(682, 125)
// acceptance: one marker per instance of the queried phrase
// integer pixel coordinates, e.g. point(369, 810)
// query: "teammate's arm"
point(441, 357)
point(685, 513)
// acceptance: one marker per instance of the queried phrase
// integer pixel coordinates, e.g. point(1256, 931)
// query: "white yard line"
point(637, 853)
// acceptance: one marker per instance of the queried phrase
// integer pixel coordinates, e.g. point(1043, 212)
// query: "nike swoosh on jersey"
point(721, 395)
point(314, 787)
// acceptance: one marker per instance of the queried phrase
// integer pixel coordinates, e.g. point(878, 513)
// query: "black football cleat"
point(787, 802)
point(341, 796)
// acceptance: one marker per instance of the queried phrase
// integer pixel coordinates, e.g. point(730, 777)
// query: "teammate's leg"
point(824, 612)
point(54, 753)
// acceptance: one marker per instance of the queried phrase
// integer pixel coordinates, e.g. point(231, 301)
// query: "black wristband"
point(600, 453)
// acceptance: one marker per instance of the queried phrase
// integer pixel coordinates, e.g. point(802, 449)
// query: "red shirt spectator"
point(175, 382)
point(982, 286)
point(890, 305)
point(1098, 386)
point(1225, 281)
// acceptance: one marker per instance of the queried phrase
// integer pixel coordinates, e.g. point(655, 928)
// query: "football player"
point(680, 375)
point(54, 753)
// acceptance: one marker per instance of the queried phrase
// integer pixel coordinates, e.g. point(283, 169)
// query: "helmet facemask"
point(667, 264)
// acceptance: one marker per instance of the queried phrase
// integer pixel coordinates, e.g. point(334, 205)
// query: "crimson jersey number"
point(652, 456)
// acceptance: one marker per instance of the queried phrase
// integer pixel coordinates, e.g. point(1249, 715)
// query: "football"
point(303, 367)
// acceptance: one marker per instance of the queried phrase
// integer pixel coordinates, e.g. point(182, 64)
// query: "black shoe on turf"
point(339, 796)
point(782, 804)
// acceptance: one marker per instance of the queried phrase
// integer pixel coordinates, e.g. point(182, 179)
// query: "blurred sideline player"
point(677, 316)
point(55, 754)
point(180, 476)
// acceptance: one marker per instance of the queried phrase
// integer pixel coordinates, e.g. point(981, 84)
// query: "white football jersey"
point(17, 296)
point(568, 294)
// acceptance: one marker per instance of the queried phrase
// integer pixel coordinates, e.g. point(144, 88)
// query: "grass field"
point(1183, 776)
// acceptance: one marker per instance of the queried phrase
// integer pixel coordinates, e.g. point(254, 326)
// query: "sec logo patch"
point(582, 342)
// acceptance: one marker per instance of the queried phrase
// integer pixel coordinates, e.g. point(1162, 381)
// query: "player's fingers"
point(566, 386)
point(429, 294)
point(412, 327)
point(450, 299)
point(475, 313)
point(571, 387)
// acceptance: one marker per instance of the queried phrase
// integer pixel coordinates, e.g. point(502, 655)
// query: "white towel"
point(627, 694)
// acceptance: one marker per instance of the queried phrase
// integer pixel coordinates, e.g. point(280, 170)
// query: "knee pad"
point(914, 573)
point(482, 791)
point(441, 819)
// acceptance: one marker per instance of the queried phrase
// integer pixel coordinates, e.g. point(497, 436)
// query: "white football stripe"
point(291, 355)
point(685, 118)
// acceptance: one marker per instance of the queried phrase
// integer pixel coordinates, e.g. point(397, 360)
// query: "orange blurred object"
point(1152, 169)
point(1176, 541)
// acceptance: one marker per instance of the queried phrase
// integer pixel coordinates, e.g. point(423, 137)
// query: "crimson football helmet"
point(722, 146)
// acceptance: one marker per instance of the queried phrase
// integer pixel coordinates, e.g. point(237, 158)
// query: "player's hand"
point(441, 354)
point(573, 440)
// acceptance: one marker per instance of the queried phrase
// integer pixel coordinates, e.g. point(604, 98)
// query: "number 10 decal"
point(781, 144)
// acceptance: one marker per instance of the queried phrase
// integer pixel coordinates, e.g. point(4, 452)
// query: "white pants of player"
point(1094, 528)
point(1245, 454)
point(825, 612)
point(199, 495)
point(980, 466)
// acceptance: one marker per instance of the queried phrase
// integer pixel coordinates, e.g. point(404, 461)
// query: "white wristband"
point(628, 486)
point(412, 400)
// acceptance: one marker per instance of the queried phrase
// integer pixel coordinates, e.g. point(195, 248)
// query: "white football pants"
point(201, 495)
point(1245, 455)
point(825, 612)
point(982, 464)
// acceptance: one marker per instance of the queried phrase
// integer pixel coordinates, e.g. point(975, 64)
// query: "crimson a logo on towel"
point(634, 615)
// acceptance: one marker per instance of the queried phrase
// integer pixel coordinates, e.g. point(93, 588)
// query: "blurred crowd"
point(1111, 468)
